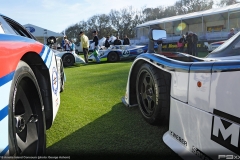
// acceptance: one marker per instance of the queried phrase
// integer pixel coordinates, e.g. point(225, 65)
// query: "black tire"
point(153, 93)
point(68, 60)
point(112, 57)
point(27, 128)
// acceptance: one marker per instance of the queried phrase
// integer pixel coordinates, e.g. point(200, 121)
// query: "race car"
point(69, 58)
point(214, 45)
point(197, 97)
point(31, 78)
point(120, 52)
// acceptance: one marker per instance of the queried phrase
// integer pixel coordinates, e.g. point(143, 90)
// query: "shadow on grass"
point(121, 133)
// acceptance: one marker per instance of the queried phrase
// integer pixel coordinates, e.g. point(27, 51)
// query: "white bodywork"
point(5, 92)
point(204, 119)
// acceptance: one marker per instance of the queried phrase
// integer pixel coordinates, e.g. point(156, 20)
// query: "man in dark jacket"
point(107, 44)
point(117, 41)
point(195, 42)
point(126, 40)
point(189, 42)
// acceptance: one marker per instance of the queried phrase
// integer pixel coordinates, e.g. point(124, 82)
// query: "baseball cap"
point(94, 31)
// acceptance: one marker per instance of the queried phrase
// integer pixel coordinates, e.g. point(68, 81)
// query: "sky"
point(57, 15)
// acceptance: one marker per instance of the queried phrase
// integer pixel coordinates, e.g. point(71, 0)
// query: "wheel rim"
point(113, 57)
point(147, 93)
point(26, 120)
point(68, 60)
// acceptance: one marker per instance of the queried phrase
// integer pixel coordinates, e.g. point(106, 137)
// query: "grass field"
point(93, 122)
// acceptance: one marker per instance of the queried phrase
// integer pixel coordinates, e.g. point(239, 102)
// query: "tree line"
point(122, 22)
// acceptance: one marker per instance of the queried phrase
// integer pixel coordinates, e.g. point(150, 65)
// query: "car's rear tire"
point(68, 60)
point(153, 93)
point(26, 114)
point(112, 57)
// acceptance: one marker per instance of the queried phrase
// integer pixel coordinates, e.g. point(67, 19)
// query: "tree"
point(189, 6)
point(226, 2)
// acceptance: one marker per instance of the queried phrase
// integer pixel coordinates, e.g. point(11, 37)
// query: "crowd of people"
point(191, 39)
point(67, 45)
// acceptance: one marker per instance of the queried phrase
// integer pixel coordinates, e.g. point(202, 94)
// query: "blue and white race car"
point(31, 78)
point(198, 97)
point(120, 52)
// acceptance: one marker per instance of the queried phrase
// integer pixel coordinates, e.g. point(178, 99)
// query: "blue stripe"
point(45, 60)
point(202, 66)
point(4, 151)
point(175, 64)
point(6, 78)
point(3, 113)
point(10, 37)
point(41, 53)
point(225, 65)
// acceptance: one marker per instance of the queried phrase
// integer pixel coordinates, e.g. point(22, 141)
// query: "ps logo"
point(125, 53)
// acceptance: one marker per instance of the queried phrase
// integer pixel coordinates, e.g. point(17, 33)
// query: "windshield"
point(226, 43)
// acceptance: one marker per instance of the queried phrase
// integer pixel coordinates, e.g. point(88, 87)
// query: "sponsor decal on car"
point(200, 154)
point(140, 50)
point(178, 138)
point(125, 53)
point(226, 133)
point(54, 80)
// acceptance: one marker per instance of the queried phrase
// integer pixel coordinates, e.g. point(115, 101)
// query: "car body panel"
point(14, 48)
point(204, 113)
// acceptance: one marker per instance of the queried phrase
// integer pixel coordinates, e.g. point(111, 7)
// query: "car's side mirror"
point(158, 35)
point(155, 35)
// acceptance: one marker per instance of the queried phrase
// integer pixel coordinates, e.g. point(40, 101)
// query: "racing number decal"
point(125, 53)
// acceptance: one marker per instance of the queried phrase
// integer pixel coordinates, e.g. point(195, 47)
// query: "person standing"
point(181, 43)
point(189, 42)
point(85, 45)
point(67, 44)
point(126, 40)
point(96, 47)
point(107, 44)
point(117, 41)
point(231, 33)
point(195, 42)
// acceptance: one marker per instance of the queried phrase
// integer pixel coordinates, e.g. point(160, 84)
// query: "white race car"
point(31, 78)
point(199, 97)
point(213, 45)
point(69, 58)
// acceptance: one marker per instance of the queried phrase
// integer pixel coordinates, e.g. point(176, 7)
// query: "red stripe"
point(11, 52)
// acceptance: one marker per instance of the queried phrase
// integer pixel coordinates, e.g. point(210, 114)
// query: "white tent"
point(41, 34)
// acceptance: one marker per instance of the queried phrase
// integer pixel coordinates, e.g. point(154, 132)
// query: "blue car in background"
point(120, 52)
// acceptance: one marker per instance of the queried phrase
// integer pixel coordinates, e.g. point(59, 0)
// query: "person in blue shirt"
point(231, 33)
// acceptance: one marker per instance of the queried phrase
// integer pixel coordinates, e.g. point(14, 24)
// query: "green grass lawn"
point(92, 121)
